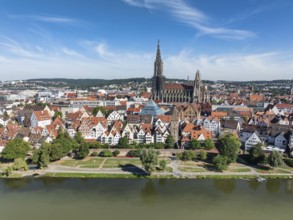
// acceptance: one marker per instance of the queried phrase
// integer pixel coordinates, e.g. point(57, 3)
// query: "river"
point(143, 199)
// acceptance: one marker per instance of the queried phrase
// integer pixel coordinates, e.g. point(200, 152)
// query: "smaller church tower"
point(197, 96)
point(158, 78)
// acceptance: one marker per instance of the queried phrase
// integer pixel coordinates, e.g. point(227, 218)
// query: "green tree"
point(8, 170)
point(82, 151)
point(41, 156)
point(186, 155)
point(20, 164)
point(57, 114)
point(16, 148)
point(275, 159)
point(208, 144)
point(202, 155)
point(79, 138)
point(229, 146)
point(123, 143)
point(97, 109)
point(55, 151)
point(195, 144)
point(149, 160)
point(256, 154)
point(220, 162)
point(66, 143)
point(169, 142)
point(162, 164)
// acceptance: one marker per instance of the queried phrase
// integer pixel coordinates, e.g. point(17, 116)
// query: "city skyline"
point(225, 40)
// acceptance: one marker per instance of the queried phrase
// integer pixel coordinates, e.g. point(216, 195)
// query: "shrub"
point(8, 170)
point(20, 164)
point(95, 154)
point(106, 153)
point(202, 155)
point(133, 153)
point(275, 159)
point(186, 155)
point(116, 153)
point(256, 154)
point(162, 164)
point(220, 162)
point(288, 162)
point(208, 144)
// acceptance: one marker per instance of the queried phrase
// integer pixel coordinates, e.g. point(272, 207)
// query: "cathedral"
point(195, 92)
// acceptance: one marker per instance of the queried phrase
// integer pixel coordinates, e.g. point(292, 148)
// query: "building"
point(195, 92)
point(40, 119)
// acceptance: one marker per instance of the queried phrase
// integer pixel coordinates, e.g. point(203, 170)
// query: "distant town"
point(95, 126)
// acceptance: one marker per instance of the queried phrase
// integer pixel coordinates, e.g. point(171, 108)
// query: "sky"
point(109, 39)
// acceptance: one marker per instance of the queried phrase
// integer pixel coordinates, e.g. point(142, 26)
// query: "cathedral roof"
point(151, 108)
point(178, 86)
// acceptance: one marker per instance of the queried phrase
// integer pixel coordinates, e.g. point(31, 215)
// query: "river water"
point(131, 199)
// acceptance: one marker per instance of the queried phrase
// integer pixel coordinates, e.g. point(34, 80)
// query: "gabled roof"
point(230, 124)
point(42, 115)
point(165, 118)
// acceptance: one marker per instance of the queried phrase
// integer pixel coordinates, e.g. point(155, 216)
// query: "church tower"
point(197, 96)
point(158, 78)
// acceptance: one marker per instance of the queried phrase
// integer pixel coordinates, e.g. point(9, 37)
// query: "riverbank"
point(121, 167)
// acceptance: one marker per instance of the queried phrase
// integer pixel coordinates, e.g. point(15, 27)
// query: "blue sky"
point(224, 39)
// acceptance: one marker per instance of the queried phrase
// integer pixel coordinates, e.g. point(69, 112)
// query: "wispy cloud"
point(51, 19)
point(193, 17)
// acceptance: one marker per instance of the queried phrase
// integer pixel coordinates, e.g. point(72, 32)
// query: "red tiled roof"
point(42, 115)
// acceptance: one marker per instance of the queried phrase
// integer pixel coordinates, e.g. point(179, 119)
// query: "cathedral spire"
point(158, 77)
point(197, 76)
point(158, 56)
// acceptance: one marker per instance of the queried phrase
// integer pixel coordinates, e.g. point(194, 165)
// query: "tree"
point(16, 148)
point(203, 155)
point(97, 109)
point(55, 151)
point(20, 164)
point(41, 156)
point(162, 164)
point(186, 155)
point(208, 144)
point(195, 144)
point(66, 143)
point(256, 154)
point(8, 170)
point(169, 142)
point(275, 159)
point(123, 143)
point(57, 114)
point(79, 138)
point(220, 162)
point(82, 151)
point(229, 146)
point(149, 160)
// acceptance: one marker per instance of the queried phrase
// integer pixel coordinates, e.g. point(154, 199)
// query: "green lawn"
point(188, 163)
point(91, 163)
point(192, 169)
point(118, 162)
point(275, 170)
point(239, 170)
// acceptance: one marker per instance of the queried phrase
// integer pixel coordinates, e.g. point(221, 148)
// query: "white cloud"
point(193, 17)
point(98, 61)
point(259, 66)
